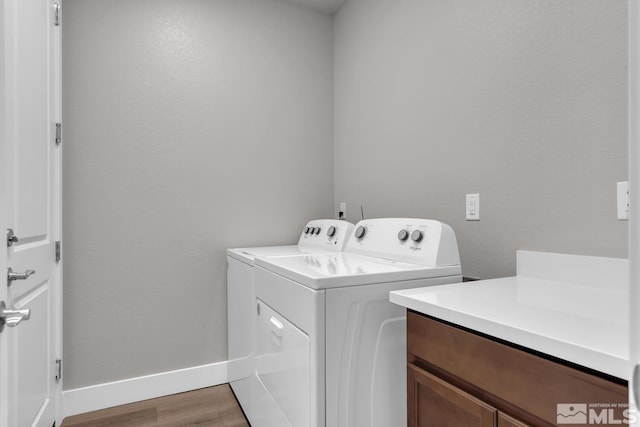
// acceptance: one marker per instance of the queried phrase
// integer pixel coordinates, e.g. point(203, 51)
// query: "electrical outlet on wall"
point(473, 207)
point(342, 212)
point(623, 200)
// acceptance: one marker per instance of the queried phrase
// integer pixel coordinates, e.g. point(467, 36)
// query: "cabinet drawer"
point(501, 375)
point(435, 403)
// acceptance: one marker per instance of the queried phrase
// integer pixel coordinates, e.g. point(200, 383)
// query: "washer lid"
point(248, 255)
point(333, 270)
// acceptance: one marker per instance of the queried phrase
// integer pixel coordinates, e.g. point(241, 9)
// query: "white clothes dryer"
point(331, 348)
point(318, 236)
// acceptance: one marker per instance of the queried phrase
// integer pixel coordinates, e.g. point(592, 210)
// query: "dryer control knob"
point(403, 235)
point(306, 230)
point(331, 231)
point(318, 230)
point(417, 235)
point(360, 232)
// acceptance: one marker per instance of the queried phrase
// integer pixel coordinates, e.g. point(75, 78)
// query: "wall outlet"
point(342, 212)
point(473, 207)
point(623, 200)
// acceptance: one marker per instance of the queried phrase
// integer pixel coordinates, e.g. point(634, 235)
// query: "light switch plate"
point(623, 200)
point(473, 207)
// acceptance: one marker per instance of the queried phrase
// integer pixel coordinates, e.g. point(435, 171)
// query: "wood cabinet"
point(459, 378)
point(434, 402)
point(505, 420)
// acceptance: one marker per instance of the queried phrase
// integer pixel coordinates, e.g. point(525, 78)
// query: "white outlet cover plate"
point(473, 207)
point(623, 200)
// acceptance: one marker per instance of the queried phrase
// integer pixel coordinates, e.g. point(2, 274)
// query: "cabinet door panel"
point(433, 402)
point(505, 420)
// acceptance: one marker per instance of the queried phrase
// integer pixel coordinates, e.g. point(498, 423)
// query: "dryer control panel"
point(329, 234)
point(418, 241)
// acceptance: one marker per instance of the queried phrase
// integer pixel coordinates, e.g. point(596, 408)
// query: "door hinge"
point(11, 237)
point(58, 251)
point(56, 14)
point(58, 369)
point(58, 133)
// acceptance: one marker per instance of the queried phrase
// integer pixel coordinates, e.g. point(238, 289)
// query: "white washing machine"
point(331, 348)
point(318, 236)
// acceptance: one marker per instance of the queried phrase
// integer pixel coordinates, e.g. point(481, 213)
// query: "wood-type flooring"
point(212, 406)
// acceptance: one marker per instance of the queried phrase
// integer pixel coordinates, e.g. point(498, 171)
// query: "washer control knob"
point(417, 235)
point(318, 230)
point(403, 235)
point(331, 231)
point(360, 232)
point(312, 230)
point(306, 230)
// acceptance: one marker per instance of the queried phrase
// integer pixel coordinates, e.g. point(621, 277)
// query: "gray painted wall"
point(190, 126)
point(522, 101)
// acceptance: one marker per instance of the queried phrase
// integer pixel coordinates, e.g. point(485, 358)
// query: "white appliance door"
point(30, 204)
point(283, 364)
point(634, 205)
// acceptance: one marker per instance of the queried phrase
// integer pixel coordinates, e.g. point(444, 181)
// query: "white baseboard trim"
point(101, 396)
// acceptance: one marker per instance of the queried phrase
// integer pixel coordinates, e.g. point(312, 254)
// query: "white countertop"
point(584, 322)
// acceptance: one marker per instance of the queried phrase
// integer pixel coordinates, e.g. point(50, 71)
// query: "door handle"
point(11, 276)
point(635, 391)
point(276, 327)
point(12, 318)
point(276, 331)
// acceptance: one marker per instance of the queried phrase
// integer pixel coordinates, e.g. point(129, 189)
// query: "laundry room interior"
point(195, 126)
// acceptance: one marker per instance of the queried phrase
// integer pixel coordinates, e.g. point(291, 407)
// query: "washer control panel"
point(330, 234)
point(417, 241)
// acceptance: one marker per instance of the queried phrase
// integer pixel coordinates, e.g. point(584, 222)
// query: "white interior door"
point(634, 203)
point(30, 197)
